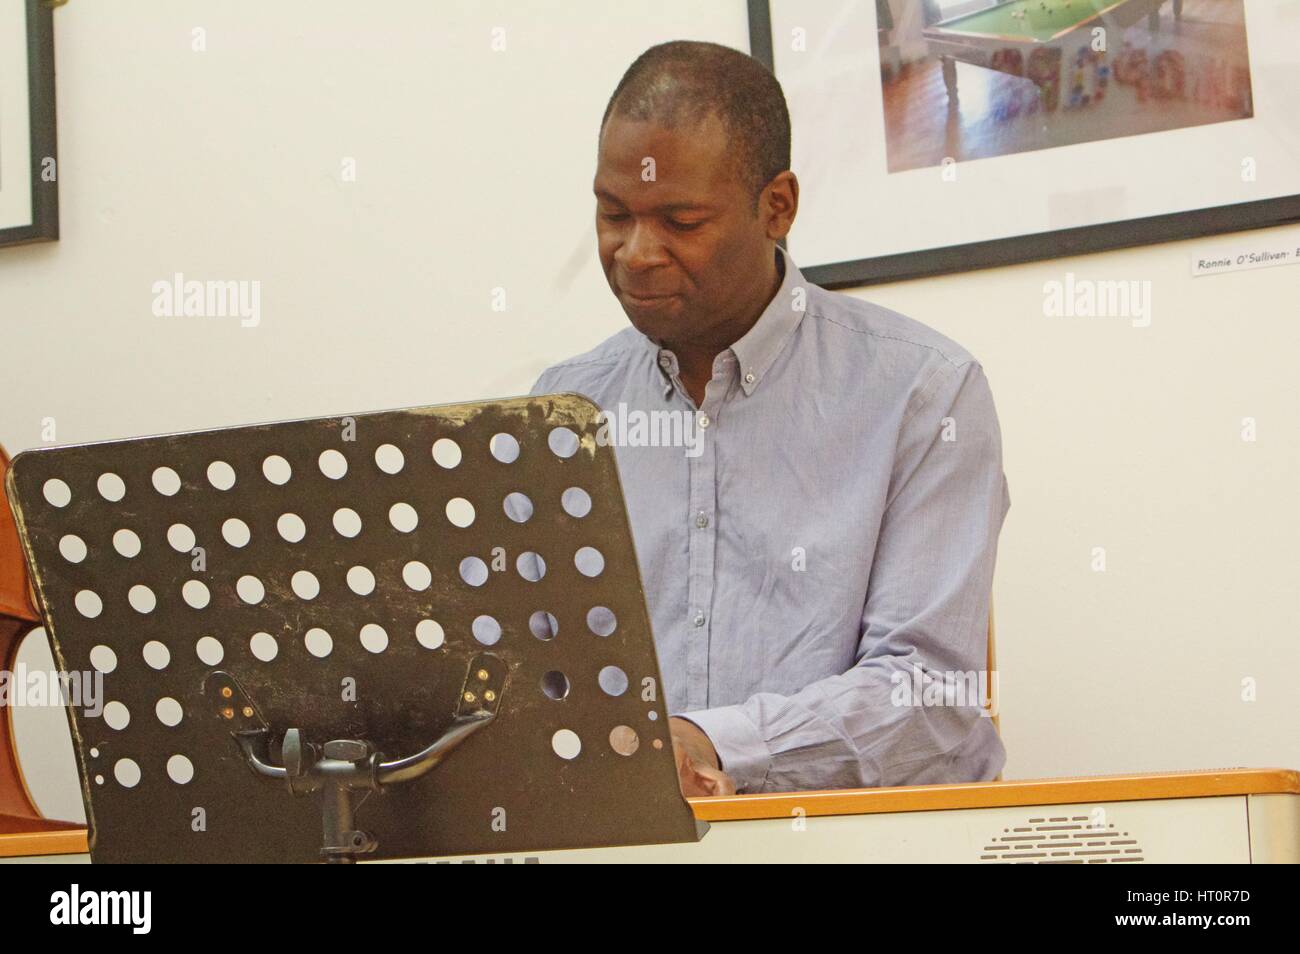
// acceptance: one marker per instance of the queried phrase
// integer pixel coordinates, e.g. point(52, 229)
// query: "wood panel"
point(1046, 791)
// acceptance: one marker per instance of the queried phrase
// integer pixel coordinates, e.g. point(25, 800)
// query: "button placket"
point(703, 501)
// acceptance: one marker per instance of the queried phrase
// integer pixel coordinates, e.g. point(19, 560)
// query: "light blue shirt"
point(816, 540)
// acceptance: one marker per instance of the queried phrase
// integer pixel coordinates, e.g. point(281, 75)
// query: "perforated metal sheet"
point(506, 789)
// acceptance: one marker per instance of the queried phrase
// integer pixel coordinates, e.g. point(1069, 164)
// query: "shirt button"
point(699, 619)
point(665, 361)
point(749, 378)
point(704, 420)
point(701, 519)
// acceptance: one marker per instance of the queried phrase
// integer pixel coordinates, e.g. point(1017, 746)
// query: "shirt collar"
point(758, 349)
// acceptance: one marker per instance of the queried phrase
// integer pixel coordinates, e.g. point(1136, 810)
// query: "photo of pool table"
point(1029, 37)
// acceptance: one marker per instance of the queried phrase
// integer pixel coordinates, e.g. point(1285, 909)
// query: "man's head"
point(693, 189)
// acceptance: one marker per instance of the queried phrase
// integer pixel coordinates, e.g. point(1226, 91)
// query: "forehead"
point(693, 163)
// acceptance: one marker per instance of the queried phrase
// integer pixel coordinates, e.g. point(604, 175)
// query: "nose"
point(640, 249)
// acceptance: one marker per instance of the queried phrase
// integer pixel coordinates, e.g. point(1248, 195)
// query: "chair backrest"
point(992, 704)
point(992, 667)
point(17, 618)
point(15, 590)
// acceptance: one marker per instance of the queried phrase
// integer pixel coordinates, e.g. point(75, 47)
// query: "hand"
point(697, 761)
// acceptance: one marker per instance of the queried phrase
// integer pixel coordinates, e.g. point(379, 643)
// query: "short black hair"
point(685, 81)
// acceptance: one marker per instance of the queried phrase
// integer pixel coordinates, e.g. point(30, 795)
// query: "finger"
point(716, 781)
point(692, 782)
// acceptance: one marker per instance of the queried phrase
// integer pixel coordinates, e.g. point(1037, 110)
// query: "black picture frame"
point(44, 226)
point(1038, 246)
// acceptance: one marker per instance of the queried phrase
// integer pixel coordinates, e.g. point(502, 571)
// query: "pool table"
point(1036, 44)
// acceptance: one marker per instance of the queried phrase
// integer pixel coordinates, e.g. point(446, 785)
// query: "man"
point(825, 542)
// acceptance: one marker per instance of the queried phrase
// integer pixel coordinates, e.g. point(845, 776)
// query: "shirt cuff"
point(741, 749)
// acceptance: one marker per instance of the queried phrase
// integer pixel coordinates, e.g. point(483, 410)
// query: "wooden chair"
point(992, 704)
point(23, 830)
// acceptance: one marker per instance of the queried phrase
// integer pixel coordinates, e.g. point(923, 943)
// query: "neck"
point(695, 358)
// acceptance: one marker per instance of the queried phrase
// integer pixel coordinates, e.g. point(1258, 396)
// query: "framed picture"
point(936, 136)
point(29, 189)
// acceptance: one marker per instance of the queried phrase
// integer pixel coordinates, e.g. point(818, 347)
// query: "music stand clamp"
point(344, 772)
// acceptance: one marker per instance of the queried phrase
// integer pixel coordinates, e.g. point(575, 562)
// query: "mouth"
point(646, 301)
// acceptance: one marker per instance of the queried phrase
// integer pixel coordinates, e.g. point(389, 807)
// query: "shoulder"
point(895, 358)
point(588, 371)
point(886, 334)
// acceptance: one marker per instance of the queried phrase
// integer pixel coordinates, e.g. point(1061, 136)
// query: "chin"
point(659, 321)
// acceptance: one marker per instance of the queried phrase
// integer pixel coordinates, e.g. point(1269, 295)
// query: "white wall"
point(474, 172)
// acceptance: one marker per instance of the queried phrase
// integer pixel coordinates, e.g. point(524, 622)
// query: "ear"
point(779, 204)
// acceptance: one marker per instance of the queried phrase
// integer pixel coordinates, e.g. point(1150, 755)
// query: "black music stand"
point(293, 617)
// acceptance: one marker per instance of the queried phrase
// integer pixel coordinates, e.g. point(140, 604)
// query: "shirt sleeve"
point(542, 385)
point(924, 626)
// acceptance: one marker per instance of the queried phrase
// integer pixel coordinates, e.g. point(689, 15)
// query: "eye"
point(684, 226)
point(613, 216)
